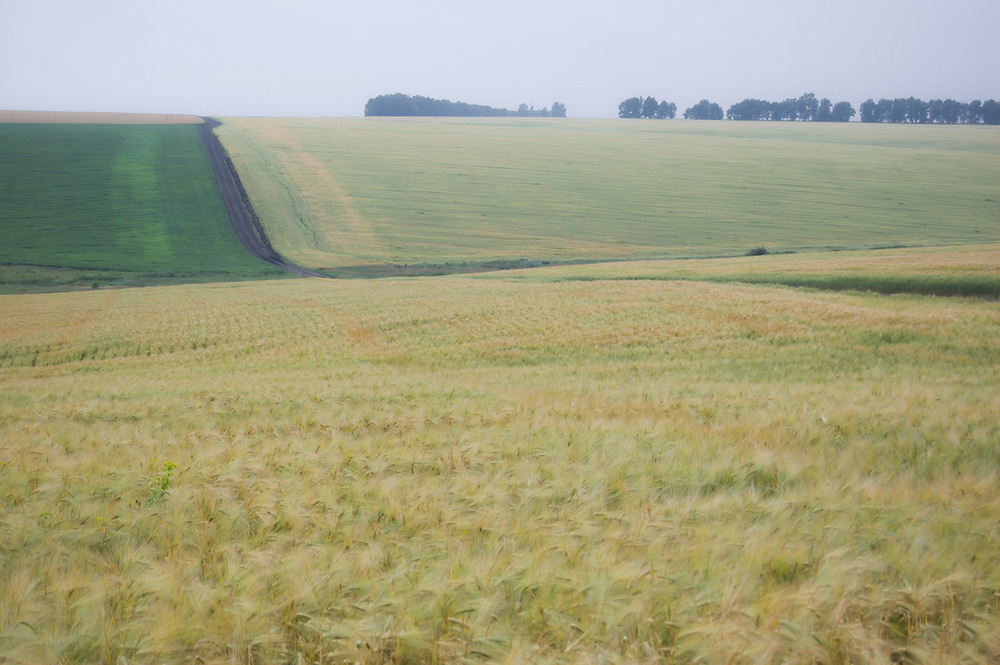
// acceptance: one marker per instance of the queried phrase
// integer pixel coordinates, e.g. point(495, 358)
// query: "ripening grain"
point(488, 470)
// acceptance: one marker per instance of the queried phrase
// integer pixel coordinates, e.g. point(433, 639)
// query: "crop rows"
point(497, 469)
point(435, 193)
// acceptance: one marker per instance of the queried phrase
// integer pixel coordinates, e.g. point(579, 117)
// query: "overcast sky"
point(327, 58)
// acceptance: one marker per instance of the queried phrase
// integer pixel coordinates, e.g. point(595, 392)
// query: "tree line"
point(936, 111)
point(806, 107)
point(646, 107)
point(399, 104)
point(809, 109)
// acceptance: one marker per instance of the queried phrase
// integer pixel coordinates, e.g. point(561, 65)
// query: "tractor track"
point(245, 221)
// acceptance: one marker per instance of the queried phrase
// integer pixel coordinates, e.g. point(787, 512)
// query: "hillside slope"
point(344, 194)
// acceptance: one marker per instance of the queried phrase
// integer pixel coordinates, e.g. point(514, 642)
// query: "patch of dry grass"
point(471, 470)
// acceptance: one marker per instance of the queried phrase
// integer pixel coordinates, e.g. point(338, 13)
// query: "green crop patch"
point(420, 194)
point(136, 202)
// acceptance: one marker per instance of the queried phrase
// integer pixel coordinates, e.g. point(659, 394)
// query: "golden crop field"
point(503, 468)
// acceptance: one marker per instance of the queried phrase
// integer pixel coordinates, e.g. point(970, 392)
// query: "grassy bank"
point(133, 202)
point(340, 193)
point(498, 470)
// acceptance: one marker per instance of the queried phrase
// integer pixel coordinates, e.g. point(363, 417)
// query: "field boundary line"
point(354, 232)
point(244, 218)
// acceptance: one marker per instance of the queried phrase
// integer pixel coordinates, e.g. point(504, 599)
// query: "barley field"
point(416, 193)
point(503, 468)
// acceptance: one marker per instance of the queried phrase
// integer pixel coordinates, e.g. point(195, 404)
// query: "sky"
point(327, 58)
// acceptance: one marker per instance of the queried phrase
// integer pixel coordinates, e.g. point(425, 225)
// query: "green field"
point(508, 467)
point(113, 203)
point(343, 193)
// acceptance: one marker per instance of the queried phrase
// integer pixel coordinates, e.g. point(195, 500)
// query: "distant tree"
point(868, 110)
point(898, 110)
point(785, 110)
point(973, 112)
point(630, 108)
point(649, 106)
point(666, 110)
point(750, 109)
point(945, 111)
point(806, 107)
point(397, 104)
point(886, 111)
point(558, 110)
point(824, 111)
point(991, 112)
point(842, 112)
point(916, 110)
point(704, 110)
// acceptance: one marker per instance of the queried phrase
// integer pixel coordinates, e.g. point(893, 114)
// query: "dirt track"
point(245, 221)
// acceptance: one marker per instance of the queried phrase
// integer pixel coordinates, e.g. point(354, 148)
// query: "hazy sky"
point(313, 57)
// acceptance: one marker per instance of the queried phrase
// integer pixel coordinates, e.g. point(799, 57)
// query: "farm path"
point(245, 221)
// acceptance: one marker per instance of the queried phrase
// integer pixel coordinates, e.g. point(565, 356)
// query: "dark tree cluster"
point(704, 110)
point(937, 111)
point(646, 107)
point(806, 108)
point(399, 104)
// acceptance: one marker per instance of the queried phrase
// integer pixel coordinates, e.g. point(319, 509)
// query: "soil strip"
point(245, 221)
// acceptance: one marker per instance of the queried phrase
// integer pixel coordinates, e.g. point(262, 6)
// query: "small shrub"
point(757, 251)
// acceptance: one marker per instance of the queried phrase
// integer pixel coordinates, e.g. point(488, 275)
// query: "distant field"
point(99, 118)
point(131, 202)
point(513, 467)
point(971, 271)
point(343, 193)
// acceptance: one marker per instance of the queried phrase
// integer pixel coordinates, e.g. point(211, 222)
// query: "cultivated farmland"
point(471, 469)
point(342, 193)
point(630, 462)
point(120, 203)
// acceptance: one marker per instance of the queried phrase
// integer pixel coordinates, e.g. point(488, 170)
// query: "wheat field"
point(499, 469)
point(338, 193)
